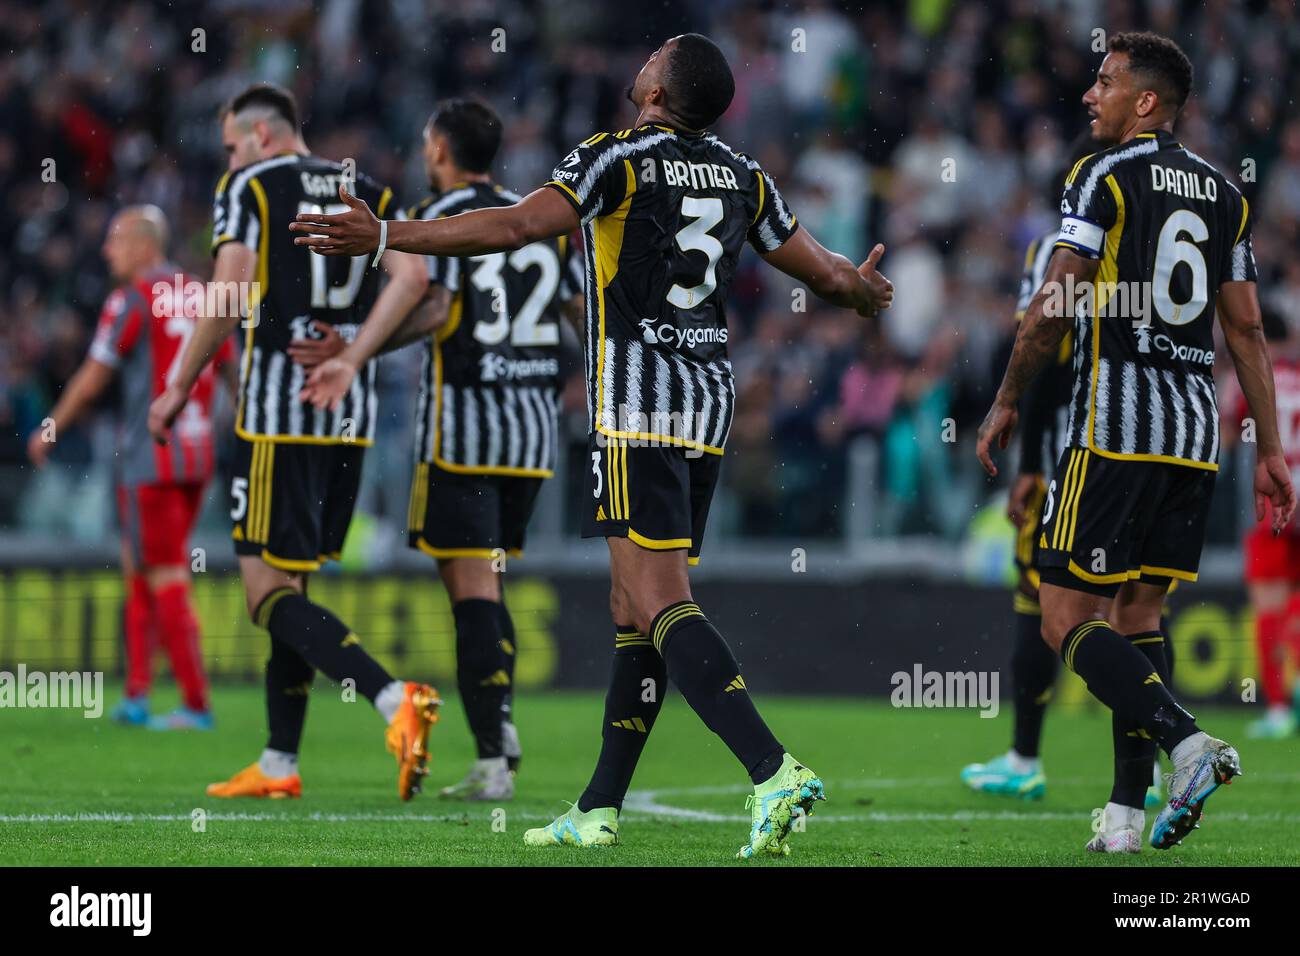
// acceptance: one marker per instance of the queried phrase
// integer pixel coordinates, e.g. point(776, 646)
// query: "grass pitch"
point(87, 792)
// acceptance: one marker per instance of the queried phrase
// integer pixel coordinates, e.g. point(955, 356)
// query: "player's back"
point(142, 333)
point(489, 397)
point(666, 215)
point(1168, 229)
point(295, 288)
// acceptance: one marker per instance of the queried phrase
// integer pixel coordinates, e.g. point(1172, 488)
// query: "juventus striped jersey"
point(1045, 407)
point(665, 214)
point(254, 206)
point(489, 395)
point(1169, 229)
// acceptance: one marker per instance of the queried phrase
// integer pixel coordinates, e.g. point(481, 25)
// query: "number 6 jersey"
point(665, 214)
point(1169, 229)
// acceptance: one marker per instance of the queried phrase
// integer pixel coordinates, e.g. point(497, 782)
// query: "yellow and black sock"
point(510, 650)
point(1169, 648)
point(321, 640)
point(637, 683)
point(482, 671)
point(288, 683)
point(702, 666)
point(1125, 680)
point(1135, 750)
point(1033, 676)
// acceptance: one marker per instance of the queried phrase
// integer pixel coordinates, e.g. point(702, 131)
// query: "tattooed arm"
point(1046, 321)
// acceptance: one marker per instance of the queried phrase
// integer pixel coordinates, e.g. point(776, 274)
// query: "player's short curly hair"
point(473, 131)
point(1161, 61)
point(698, 81)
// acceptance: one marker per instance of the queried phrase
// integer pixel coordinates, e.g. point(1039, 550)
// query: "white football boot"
point(1121, 830)
point(510, 746)
point(488, 779)
point(1201, 765)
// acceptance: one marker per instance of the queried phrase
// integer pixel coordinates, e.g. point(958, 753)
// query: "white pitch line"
point(643, 805)
point(649, 804)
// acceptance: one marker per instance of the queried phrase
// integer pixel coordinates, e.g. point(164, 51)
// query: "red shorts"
point(1273, 559)
point(157, 520)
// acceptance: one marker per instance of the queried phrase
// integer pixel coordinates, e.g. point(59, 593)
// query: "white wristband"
point(383, 241)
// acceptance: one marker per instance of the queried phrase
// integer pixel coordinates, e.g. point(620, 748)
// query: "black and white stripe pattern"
point(486, 427)
point(644, 390)
point(462, 423)
point(1139, 410)
point(764, 231)
point(233, 216)
point(271, 405)
point(611, 153)
point(1095, 172)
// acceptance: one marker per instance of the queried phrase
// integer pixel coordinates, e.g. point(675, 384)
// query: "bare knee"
point(645, 582)
point(628, 606)
point(1054, 630)
point(470, 579)
point(260, 579)
point(619, 611)
point(1065, 609)
point(1138, 608)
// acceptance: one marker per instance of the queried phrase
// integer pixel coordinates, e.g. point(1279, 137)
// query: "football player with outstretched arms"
point(666, 209)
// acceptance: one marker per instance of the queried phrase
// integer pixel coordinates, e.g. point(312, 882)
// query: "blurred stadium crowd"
point(855, 116)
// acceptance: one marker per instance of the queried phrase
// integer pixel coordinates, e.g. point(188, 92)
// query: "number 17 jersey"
point(666, 214)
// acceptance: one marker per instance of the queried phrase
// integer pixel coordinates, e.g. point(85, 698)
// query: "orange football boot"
point(408, 736)
point(251, 782)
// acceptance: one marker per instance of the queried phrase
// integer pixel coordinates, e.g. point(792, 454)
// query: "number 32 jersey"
point(665, 215)
point(490, 389)
point(1169, 229)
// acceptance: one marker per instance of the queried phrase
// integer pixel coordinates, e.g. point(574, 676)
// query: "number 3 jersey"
point(489, 396)
point(141, 335)
point(294, 287)
point(665, 214)
point(1169, 229)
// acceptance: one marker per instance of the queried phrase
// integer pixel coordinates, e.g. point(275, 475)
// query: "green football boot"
point(776, 803)
point(999, 776)
point(596, 827)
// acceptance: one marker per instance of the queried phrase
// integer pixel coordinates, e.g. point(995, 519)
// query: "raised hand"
point(351, 233)
point(880, 289)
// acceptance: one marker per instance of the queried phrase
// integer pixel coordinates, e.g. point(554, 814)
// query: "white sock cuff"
point(389, 699)
point(278, 763)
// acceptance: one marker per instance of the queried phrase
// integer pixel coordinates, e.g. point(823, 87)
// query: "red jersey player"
point(142, 332)
point(1273, 562)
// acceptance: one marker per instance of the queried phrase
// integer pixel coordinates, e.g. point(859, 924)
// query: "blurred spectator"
point(937, 126)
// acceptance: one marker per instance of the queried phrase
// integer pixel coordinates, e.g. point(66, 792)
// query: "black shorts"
point(657, 496)
point(455, 515)
point(291, 503)
point(1026, 557)
point(1108, 520)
